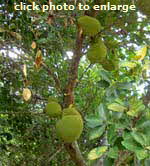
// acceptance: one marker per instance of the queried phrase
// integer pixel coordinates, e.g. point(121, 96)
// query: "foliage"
point(116, 115)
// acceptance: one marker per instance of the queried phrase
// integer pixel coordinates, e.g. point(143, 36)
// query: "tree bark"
point(75, 154)
point(73, 148)
point(73, 70)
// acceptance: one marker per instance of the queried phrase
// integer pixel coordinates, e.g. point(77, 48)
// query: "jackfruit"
point(53, 109)
point(90, 26)
point(70, 111)
point(69, 128)
point(97, 52)
point(51, 98)
point(144, 7)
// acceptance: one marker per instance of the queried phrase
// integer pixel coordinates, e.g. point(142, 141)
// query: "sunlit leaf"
point(26, 94)
point(128, 64)
point(25, 70)
point(38, 59)
point(140, 54)
point(132, 112)
point(146, 66)
point(116, 107)
point(33, 45)
point(135, 108)
point(97, 152)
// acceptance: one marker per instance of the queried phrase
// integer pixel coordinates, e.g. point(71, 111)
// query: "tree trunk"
point(73, 148)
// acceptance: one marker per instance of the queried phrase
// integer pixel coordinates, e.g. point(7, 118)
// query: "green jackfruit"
point(144, 7)
point(69, 128)
point(97, 52)
point(51, 99)
point(90, 26)
point(53, 109)
point(70, 111)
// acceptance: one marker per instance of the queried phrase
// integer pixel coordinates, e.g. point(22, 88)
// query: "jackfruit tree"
point(74, 84)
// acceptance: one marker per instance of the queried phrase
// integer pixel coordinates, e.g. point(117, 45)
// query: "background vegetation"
point(49, 58)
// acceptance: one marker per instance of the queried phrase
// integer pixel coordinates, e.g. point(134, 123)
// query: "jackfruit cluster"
point(97, 52)
point(53, 109)
point(70, 127)
point(144, 7)
point(90, 26)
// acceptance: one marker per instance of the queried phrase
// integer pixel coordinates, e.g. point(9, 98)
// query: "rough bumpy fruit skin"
point(53, 109)
point(70, 111)
point(90, 26)
point(69, 128)
point(97, 52)
point(144, 7)
point(51, 99)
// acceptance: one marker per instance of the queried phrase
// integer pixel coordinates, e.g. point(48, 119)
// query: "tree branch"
point(75, 154)
point(58, 151)
point(83, 74)
point(72, 148)
point(73, 70)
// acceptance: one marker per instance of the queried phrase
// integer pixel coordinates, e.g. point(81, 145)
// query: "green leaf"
point(97, 152)
point(95, 133)
point(41, 41)
point(136, 106)
point(124, 85)
point(131, 145)
point(105, 76)
point(94, 121)
point(102, 112)
point(116, 107)
point(145, 124)
point(147, 162)
point(111, 134)
point(132, 113)
point(103, 84)
point(141, 53)
point(141, 154)
point(129, 142)
point(113, 152)
point(128, 64)
point(135, 111)
point(139, 137)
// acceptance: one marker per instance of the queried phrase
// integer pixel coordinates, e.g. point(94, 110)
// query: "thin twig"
point(57, 82)
point(83, 74)
point(53, 155)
